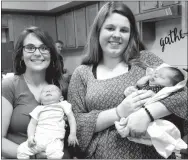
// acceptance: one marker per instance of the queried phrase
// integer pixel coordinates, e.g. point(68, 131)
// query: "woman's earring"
point(21, 63)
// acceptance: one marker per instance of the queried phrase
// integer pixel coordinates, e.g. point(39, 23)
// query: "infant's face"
point(161, 77)
point(50, 94)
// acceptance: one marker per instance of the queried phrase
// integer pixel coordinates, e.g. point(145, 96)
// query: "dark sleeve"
point(86, 120)
point(151, 59)
point(176, 102)
point(8, 89)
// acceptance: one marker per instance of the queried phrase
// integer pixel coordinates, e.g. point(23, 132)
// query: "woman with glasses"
point(36, 65)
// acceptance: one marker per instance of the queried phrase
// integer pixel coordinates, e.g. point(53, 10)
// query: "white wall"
point(176, 53)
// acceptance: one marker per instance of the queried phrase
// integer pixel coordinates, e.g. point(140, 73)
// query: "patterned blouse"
point(90, 96)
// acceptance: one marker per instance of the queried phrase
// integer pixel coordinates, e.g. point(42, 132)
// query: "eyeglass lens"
point(30, 48)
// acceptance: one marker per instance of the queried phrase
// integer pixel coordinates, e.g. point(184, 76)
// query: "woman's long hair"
point(93, 49)
point(54, 70)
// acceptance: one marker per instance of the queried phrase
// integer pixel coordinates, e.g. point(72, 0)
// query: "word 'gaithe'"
point(172, 37)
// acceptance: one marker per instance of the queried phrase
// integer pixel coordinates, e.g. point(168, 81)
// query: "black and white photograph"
point(94, 79)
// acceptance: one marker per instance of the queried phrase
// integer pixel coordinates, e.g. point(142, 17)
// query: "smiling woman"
point(32, 54)
point(114, 35)
point(36, 65)
point(115, 59)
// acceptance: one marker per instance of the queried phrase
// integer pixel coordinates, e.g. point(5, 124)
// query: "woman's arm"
point(138, 121)
point(106, 119)
point(130, 104)
point(85, 119)
point(158, 110)
point(9, 148)
point(177, 103)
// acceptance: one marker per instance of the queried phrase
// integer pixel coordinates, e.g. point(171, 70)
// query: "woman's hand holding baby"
point(133, 102)
point(137, 123)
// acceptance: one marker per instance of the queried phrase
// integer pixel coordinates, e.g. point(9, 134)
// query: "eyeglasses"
point(31, 49)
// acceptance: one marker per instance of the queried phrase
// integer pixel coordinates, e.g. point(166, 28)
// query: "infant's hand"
point(31, 141)
point(130, 90)
point(72, 140)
